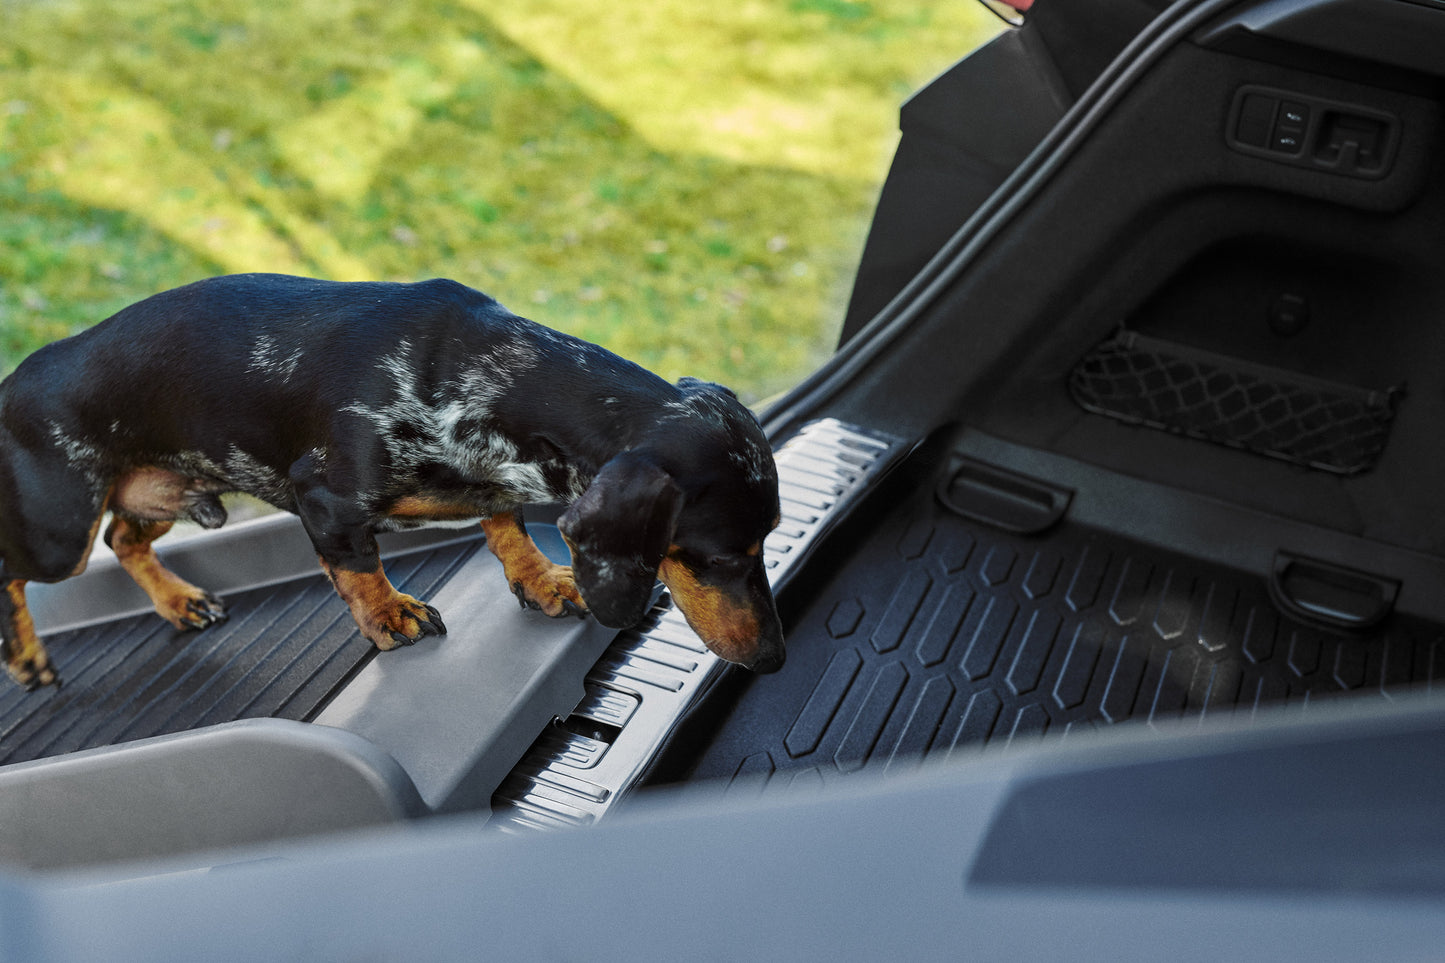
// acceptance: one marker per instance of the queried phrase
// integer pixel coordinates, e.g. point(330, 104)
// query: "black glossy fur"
point(366, 406)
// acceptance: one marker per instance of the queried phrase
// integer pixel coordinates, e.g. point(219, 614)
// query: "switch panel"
point(1303, 131)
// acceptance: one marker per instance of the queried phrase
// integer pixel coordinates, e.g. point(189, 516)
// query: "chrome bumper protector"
point(655, 673)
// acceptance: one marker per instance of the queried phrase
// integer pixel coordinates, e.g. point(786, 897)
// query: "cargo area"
point(991, 596)
point(1172, 398)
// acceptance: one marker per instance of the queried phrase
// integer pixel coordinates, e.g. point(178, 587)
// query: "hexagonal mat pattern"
point(939, 633)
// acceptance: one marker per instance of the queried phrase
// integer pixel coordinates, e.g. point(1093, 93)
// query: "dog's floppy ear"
point(697, 384)
point(619, 531)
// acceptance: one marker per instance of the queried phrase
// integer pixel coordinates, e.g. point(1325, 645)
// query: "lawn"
point(687, 185)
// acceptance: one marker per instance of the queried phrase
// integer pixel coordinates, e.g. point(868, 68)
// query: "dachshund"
point(365, 407)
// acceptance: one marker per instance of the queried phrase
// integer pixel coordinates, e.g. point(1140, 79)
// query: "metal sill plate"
point(654, 674)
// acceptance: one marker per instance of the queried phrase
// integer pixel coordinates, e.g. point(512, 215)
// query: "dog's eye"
point(731, 560)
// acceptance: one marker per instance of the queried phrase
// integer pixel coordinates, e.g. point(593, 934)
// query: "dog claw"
point(398, 627)
point(568, 607)
point(205, 611)
point(527, 601)
point(189, 611)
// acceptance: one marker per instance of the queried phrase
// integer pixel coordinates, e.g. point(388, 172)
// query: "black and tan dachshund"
point(365, 407)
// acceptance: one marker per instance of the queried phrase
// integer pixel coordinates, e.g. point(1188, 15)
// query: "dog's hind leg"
point(25, 657)
point(41, 540)
point(179, 602)
point(536, 580)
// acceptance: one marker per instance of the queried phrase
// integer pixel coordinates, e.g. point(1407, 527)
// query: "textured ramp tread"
point(284, 650)
point(939, 633)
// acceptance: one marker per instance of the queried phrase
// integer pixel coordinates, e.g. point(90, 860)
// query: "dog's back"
point(364, 405)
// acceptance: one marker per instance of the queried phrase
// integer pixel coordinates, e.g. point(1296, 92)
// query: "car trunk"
point(1171, 396)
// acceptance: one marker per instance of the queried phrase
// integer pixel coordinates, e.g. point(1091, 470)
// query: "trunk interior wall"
point(961, 136)
point(965, 132)
point(1156, 223)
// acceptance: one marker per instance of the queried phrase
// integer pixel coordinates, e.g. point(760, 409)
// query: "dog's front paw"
point(31, 668)
point(400, 620)
point(551, 591)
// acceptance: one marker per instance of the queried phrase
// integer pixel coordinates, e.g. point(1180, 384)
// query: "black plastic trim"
point(1173, 25)
point(1307, 143)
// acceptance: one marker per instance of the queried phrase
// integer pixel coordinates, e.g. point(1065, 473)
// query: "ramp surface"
point(282, 653)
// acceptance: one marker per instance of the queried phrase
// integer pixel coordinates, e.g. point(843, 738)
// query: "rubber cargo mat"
point(937, 633)
point(283, 651)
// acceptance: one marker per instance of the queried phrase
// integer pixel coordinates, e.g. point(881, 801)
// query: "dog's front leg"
point(536, 580)
point(385, 616)
point(341, 534)
point(25, 657)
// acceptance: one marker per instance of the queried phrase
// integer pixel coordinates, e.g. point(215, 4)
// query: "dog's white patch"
point(711, 410)
point(268, 360)
point(451, 423)
point(753, 461)
point(196, 464)
point(250, 475)
point(82, 455)
point(576, 483)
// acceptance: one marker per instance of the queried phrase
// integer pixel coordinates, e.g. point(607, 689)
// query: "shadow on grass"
point(146, 145)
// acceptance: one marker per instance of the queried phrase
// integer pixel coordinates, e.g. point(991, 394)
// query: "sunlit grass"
point(686, 185)
point(807, 84)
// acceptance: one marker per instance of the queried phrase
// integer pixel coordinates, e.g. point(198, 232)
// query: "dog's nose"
point(769, 663)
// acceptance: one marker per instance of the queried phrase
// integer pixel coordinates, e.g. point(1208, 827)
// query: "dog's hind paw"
point(33, 672)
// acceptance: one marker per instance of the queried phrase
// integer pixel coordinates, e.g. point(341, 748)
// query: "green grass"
point(687, 184)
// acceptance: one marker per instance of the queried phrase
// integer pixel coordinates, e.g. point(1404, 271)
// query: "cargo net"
point(1175, 388)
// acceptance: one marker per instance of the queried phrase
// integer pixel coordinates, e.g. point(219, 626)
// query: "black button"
point(1289, 127)
point(1292, 114)
point(1287, 141)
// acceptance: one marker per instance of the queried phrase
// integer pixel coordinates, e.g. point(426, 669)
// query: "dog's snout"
point(767, 664)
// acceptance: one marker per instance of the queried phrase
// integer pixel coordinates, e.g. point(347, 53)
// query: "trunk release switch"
point(1308, 132)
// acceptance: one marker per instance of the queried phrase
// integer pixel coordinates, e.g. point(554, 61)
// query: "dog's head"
point(691, 507)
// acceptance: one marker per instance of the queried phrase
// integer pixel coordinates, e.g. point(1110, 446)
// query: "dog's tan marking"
point(25, 657)
point(151, 493)
point(727, 626)
point(432, 509)
point(177, 601)
point(90, 538)
point(537, 580)
point(381, 612)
